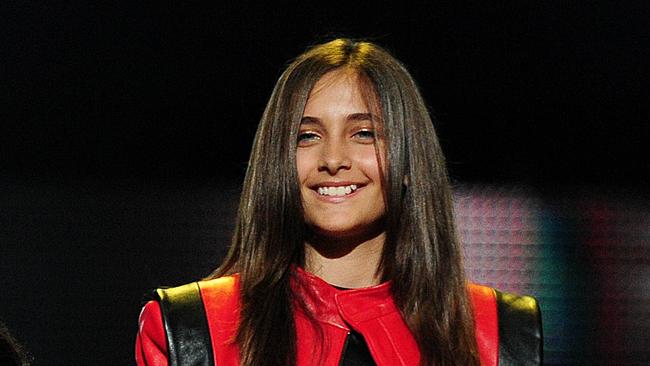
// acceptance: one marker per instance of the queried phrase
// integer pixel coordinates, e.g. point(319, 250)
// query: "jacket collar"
point(340, 307)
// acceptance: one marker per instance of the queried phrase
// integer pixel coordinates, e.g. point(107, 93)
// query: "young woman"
point(345, 251)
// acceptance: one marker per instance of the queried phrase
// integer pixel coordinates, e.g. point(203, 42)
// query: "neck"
point(345, 264)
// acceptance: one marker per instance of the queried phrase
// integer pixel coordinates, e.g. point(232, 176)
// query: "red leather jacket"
point(370, 311)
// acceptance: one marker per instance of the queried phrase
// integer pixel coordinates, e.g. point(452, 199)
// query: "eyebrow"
point(349, 118)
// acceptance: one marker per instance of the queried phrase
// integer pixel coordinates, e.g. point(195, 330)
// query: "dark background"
point(126, 130)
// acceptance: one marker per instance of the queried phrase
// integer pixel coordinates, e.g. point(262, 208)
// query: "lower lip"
point(337, 199)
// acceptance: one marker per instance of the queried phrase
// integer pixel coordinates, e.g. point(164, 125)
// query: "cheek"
point(302, 165)
point(369, 164)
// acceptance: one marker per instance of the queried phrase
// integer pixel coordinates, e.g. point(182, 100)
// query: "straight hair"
point(421, 256)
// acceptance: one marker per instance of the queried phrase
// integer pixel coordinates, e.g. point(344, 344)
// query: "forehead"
point(342, 89)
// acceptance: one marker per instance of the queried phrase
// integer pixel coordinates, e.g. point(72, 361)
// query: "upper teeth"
point(337, 191)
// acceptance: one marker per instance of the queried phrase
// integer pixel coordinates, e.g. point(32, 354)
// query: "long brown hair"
point(421, 255)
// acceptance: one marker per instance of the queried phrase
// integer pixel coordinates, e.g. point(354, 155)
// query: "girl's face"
point(340, 178)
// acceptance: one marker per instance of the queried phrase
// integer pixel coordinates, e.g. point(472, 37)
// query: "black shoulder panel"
point(520, 330)
point(186, 326)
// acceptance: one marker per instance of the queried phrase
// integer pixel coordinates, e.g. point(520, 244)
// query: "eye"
point(307, 137)
point(365, 135)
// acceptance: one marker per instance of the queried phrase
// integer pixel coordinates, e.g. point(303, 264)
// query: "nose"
point(334, 157)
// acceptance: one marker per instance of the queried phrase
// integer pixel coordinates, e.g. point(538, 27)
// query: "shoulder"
point(190, 303)
point(513, 320)
point(183, 315)
point(220, 289)
point(506, 304)
point(520, 328)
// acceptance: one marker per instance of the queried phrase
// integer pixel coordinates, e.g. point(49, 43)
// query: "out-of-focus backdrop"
point(126, 130)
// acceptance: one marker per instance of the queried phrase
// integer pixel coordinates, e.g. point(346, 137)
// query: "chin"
point(345, 232)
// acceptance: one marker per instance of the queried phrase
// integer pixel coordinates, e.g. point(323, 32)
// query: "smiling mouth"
point(339, 191)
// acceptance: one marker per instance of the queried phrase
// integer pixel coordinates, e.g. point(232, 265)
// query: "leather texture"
point(186, 328)
point(486, 325)
point(334, 313)
point(520, 330)
point(369, 311)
